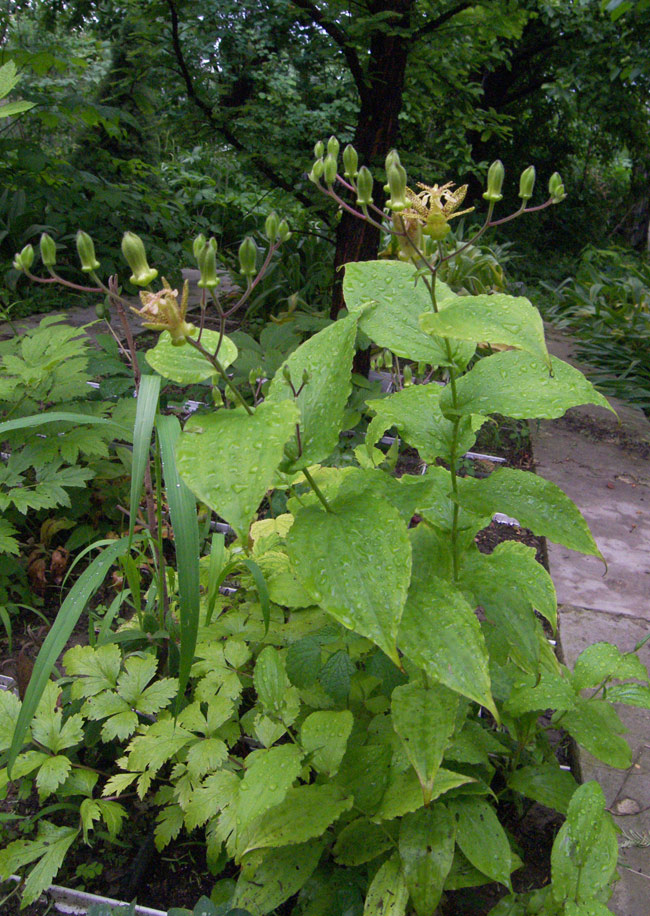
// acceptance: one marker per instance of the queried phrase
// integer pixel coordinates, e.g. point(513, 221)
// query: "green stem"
point(312, 483)
point(222, 372)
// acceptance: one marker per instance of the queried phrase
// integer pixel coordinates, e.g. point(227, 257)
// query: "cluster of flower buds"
point(495, 177)
point(556, 188)
point(205, 253)
point(276, 229)
point(24, 259)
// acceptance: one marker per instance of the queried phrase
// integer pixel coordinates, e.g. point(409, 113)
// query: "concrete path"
point(605, 468)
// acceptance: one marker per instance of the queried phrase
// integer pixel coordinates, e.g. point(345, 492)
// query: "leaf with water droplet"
point(426, 846)
point(387, 894)
point(482, 838)
point(186, 365)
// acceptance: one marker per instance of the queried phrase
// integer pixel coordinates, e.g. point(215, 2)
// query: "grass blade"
point(217, 557)
point(69, 613)
point(182, 511)
point(144, 419)
point(57, 416)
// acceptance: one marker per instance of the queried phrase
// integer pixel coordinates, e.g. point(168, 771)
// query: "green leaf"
point(495, 319)
point(69, 613)
point(94, 670)
point(305, 813)
point(361, 842)
point(48, 850)
point(147, 405)
point(335, 676)
point(425, 719)
point(8, 543)
point(545, 783)
point(182, 512)
point(53, 773)
point(518, 385)
point(8, 78)
point(271, 681)
point(228, 459)
point(387, 894)
point(630, 695)
point(324, 734)
point(536, 503)
point(303, 661)
point(596, 726)
point(54, 416)
point(533, 694)
point(269, 774)
point(364, 773)
point(586, 908)
point(440, 633)
point(14, 108)
point(603, 660)
point(426, 846)
point(416, 415)
point(327, 357)
point(355, 561)
point(404, 792)
point(185, 365)
point(390, 303)
point(269, 877)
point(482, 838)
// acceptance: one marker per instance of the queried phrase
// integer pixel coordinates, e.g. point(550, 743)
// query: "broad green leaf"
point(327, 357)
point(355, 561)
point(519, 385)
point(425, 719)
point(303, 661)
point(361, 842)
point(305, 813)
point(535, 694)
point(585, 851)
point(536, 503)
point(269, 774)
point(270, 876)
point(364, 773)
point(390, 303)
point(14, 108)
point(387, 894)
point(427, 839)
point(441, 634)
point(416, 415)
point(545, 783)
point(603, 660)
point(463, 874)
point(335, 676)
point(94, 669)
point(435, 505)
point(586, 908)
point(228, 459)
point(271, 681)
point(185, 365)
point(324, 734)
point(482, 838)
point(48, 850)
point(404, 792)
point(495, 319)
point(596, 726)
point(630, 695)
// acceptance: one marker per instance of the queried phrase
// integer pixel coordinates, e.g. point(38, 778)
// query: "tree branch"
point(260, 164)
point(339, 37)
point(433, 24)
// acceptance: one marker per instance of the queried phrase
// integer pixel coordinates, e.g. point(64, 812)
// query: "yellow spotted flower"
point(434, 206)
point(162, 311)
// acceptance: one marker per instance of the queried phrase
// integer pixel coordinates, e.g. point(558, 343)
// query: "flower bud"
point(392, 159)
point(364, 187)
point(136, 257)
point(271, 226)
point(86, 252)
point(319, 150)
point(48, 250)
point(330, 170)
point(101, 310)
point(207, 261)
point(527, 183)
point(407, 375)
point(286, 374)
point(333, 147)
point(198, 245)
point(397, 187)
point(495, 176)
point(317, 171)
point(556, 188)
point(248, 257)
point(25, 259)
point(350, 162)
point(306, 375)
point(284, 233)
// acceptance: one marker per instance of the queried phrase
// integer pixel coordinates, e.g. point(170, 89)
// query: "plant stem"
point(222, 372)
point(312, 483)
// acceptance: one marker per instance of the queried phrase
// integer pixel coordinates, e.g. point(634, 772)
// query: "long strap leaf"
point(58, 416)
point(69, 613)
point(145, 415)
point(182, 511)
point(260, 585)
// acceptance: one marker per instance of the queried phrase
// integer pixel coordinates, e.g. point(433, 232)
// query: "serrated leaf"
point(415, 413)
point(335, 676)
point(169, 823)
point(269, 877)
point(404, 792)
point(390, 303)
point(48, 850)
point(387, 894)
point(603, 660)
point(185, 365)
point(229, 458)
point(518, 385)
point(596, 726)
point(346, 557)
point(440, 633)
point(496, 319)
point(206, 756)
point(52, 773)
point(532, 694)
point(303, 661)
point(8, 543)
point(361, 842)
point(138, 671)
point(424, 719)
point(545, 783)
point(536, 503)
point(426, 846)
point(270, 680)
point(305, 813)
point(327, 357)
point(324, 734)
point(482, 838)
point(630, 695)
point(96, 668)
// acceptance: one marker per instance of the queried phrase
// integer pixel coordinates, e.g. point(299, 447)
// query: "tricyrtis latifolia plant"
point(351, 730)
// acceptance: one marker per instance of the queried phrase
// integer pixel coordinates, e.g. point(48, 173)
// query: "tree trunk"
point(376, 132)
